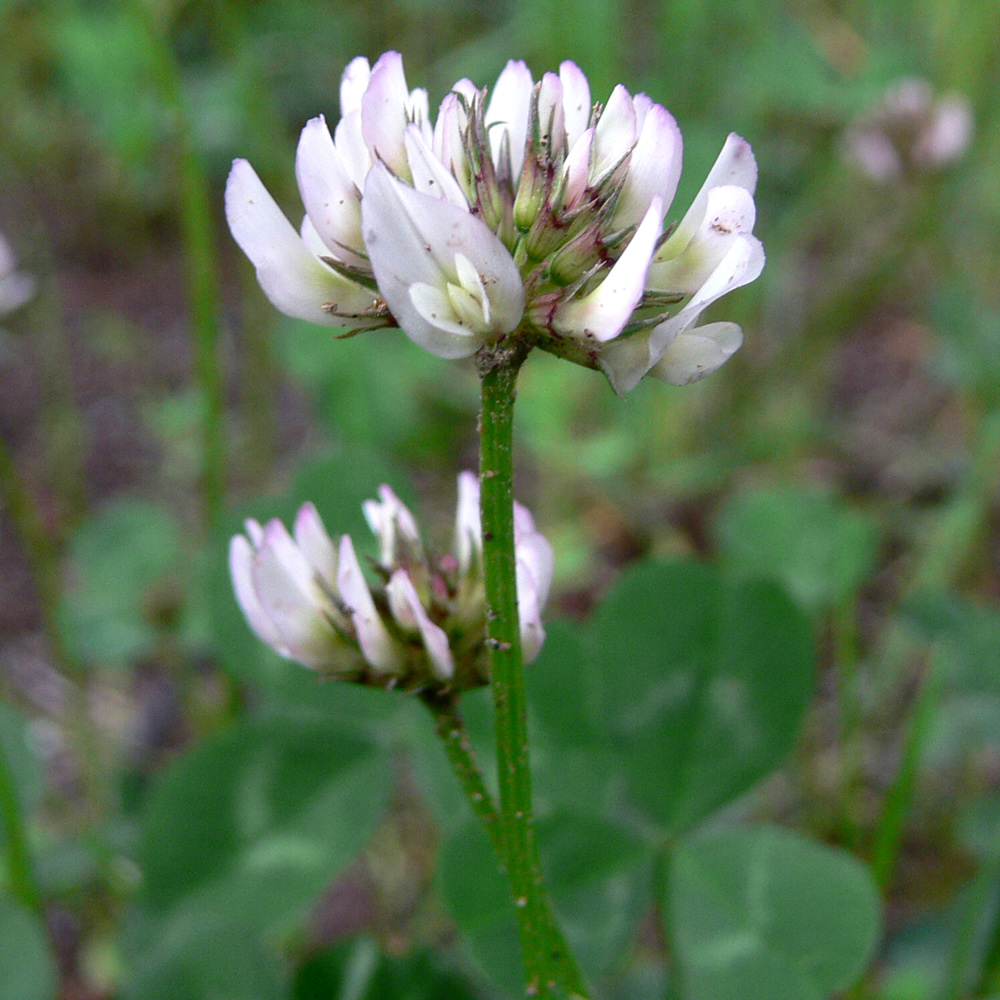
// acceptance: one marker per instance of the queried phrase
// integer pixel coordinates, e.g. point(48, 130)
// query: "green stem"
point(548, 963)
point(199, 246)
point(23, 885)
point(449, 727)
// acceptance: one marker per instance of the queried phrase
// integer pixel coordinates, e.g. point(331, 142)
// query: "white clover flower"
point(527, 209)
point(423, 625)
point(910, 128)
point(16, 287)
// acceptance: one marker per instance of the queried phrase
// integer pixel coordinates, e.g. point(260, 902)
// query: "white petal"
point(383, 112)
point(625, 362)
point(529, 611)
point(373, 637)
point(392, 523)
point(241, 557)
point(729, 212)
point(654, 167)
point(353, 84)
point(533, 549)
point(296, 282)
point(350, 144)
point(577, 168)
point(551, 114)
point(331, 199)
point(430, 176)
point(444, 326)
point(304, 631)
point(448, 145)
point(403, 595)
point(602, 314)
point(735, 165)
point(254, 531)
point(508, 112)
point(615, 133)
point(315, 544)
point(697, 353)
point(576, 100)
point(468, 530)
point(412, 239)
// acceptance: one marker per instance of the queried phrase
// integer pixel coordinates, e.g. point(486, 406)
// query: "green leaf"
point(478, 896)
point(597, 874)
point(117, 558)
point(27, 968)
point(211, 957)
point(244, 832)
point(762, 912)
point(701, 685)
point(810, 542)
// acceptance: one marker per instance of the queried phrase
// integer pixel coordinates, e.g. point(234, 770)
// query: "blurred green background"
point(150, 398)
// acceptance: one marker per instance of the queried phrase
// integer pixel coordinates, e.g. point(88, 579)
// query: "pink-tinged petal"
point(241, 557)
point(729, 213)
point(508, 112)
point(448, 145)
point(280, 543)
point(350, 144)
point(697, 353)
point(413, 239)
point(534, 550)
point(304, 631)
point(410, 613)
point(529, 611)
point(576, 100)
point(429, 174)
point(468, 532)
point(254, 531)
point(353, 85)
point(376, 644)
point(296, 282)
point(315, 544)
point(576, 169)
point(331, 199)
point(383, 112)
point(393, 525)
point(654, 167)
point(615, 133)
point(642, 104)
point(603, 313)
point(418, 112)
point(551, 113)
point(625, 362)
point(735, 165)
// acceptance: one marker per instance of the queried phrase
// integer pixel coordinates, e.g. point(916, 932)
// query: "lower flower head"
point(421, 624)
point(524, 211)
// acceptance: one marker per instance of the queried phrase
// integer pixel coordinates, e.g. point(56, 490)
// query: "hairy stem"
point(548, 964)
point(449, 727)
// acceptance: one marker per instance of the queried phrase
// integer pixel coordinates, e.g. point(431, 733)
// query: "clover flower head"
point(911, 129)
point(421, 625)
point(527, 210)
